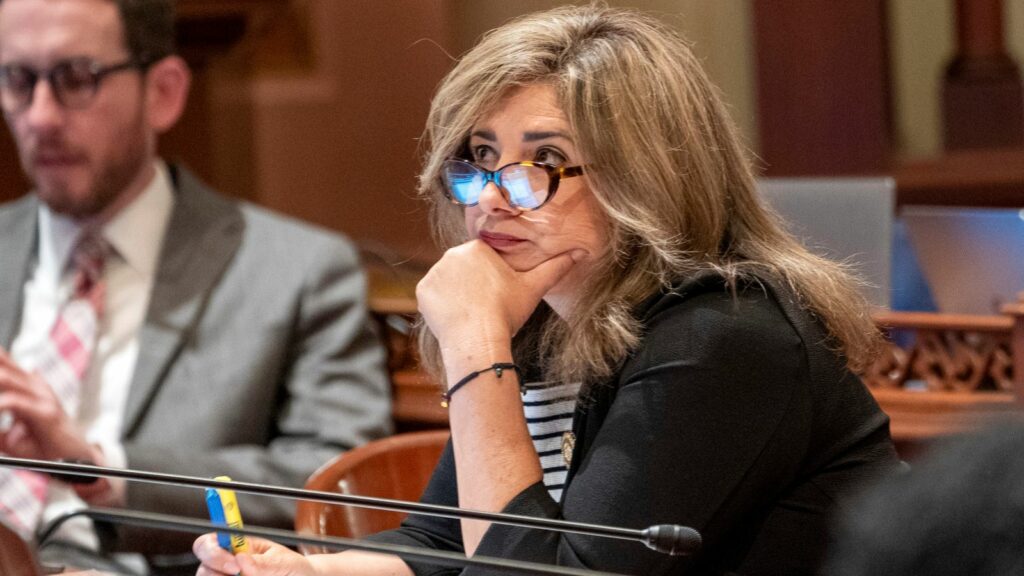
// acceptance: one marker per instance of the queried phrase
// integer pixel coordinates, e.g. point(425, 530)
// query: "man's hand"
point(40, 428)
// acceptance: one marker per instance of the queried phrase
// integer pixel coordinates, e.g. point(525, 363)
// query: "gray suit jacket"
point(257, 359)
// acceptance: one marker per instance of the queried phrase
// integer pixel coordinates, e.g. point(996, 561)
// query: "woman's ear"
point(167, 84)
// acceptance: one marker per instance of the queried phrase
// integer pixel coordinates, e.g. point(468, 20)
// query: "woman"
point(688, 361)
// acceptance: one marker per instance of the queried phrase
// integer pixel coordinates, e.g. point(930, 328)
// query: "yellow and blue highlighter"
point(224, 511)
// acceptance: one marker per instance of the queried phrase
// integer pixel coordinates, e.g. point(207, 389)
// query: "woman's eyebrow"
point(534, 136)
point(484, 134)
point(490, 136)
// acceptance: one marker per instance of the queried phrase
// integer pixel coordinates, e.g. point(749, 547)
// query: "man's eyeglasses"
point(526, 185)
point(74, 82)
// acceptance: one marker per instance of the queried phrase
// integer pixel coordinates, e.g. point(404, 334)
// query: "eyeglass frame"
point(555, 176)
point(97, 72)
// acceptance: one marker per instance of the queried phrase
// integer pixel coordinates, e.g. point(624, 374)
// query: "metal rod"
point(440, 557)
point(686, 540)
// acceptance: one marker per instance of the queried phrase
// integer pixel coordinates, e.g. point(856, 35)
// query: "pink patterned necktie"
point(62, 363)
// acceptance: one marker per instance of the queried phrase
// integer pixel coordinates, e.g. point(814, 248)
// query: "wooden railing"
point(938, 374)
point(941, 374)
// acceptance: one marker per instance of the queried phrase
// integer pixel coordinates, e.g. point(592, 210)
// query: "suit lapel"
point(18, 237)
point(204, 232)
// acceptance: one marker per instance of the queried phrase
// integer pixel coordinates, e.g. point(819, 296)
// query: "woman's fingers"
point(277, 562)
point(204, 571)
point(546, 274)
point(215, 560)
point(472, 293)
point(266, 559)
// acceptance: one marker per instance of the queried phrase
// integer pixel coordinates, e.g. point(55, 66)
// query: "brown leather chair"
point(396, 467)
point(16, 558)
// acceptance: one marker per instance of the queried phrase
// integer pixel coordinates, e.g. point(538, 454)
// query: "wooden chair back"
point(16, 557)
point(396, 467)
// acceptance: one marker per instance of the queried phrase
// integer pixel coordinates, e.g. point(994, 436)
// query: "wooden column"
point(207, 30)
point(823, 88)
point(982, 100)
point(12, 179)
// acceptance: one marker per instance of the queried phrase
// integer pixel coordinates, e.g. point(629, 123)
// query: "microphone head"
point(672, 539)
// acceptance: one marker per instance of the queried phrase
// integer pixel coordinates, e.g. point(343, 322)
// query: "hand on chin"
point(496, 294)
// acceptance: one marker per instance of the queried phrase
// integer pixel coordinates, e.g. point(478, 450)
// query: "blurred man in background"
point(145, 321)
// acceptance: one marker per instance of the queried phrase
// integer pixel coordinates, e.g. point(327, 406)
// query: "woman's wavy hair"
point(666, 164)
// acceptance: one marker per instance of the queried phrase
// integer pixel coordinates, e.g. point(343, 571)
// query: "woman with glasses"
point(626, 334)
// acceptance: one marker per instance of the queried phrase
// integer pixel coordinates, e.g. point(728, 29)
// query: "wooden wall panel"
point(822, 81)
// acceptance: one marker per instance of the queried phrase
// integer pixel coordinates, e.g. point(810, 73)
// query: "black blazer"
point(733, 416)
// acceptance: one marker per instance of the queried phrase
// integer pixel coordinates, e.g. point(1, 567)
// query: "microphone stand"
point(437, 557)
point(671, 539)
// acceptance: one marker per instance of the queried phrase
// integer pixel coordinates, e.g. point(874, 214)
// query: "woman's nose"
point(494, 201)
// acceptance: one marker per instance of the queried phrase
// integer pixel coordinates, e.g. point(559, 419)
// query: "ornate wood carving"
point(944, 360)
point(944, 373)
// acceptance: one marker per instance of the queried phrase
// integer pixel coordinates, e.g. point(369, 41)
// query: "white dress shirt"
point(135, 234)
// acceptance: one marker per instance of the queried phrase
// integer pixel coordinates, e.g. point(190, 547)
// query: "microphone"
point(669, 539)
point(438, 557)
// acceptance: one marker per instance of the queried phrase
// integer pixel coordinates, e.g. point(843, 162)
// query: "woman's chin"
point(521, 262)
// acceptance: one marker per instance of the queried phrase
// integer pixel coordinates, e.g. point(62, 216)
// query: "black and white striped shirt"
point(549, 411)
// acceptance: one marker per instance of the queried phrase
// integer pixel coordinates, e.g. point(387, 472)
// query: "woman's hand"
point(472, 295)
point(265, 559)
point(474, 303)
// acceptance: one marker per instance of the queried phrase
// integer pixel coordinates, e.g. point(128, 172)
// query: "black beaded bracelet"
point(498, 368)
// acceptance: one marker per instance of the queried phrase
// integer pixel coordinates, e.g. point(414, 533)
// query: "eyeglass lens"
point(74, 83)
point(526, 186)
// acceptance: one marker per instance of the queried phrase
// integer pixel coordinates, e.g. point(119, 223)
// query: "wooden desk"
point(974, 178)
point(16, 557)
point(941, 374)
point(416, 398)
point(938, 374)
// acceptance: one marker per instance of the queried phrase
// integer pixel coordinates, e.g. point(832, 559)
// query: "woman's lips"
point(500, 241)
